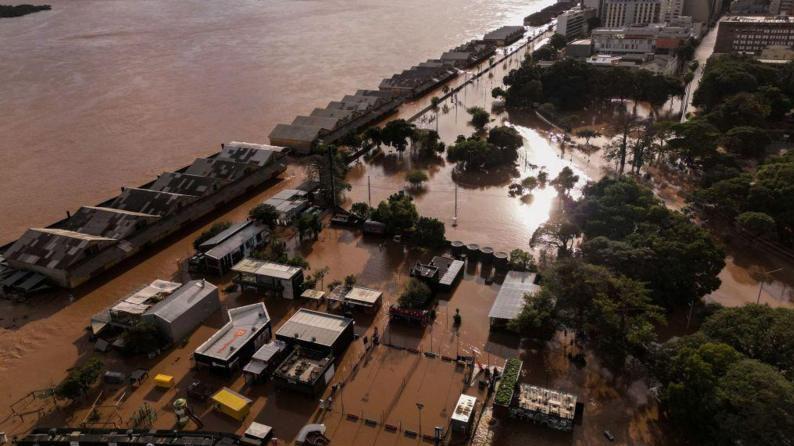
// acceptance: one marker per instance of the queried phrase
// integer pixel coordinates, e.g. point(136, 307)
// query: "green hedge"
point(508, 382)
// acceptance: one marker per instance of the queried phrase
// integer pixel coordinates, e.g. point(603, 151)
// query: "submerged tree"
point(479, 117)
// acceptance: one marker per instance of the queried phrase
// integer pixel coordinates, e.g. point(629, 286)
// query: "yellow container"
point(231, 403)
point(164, 381)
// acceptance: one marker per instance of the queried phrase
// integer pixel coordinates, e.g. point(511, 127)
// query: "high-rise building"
point(618, 13)
point(573, 22)
point(671, 10)
point(781, 7)
point(754, 34)
point(704, 11)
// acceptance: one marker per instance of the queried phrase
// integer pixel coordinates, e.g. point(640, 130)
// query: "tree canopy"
point(719, 397)
point(757, 331)
point(630, 232)
point(416, 294)
point(265, 214)
point(398, 213)
point(499, 149)
point(572, 85)
point(768, 190)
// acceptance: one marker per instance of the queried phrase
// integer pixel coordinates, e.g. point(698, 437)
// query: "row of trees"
point(573, 85)
point(484, 151)
point(399, 134)
point(400, 216)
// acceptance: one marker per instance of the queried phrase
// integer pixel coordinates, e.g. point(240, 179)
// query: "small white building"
point(357, 296)
point(269, 277)
point(464, 414)
point(185, 309)
point(218, 254)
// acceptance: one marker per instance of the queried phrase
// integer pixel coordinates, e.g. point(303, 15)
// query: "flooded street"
point(108, 93)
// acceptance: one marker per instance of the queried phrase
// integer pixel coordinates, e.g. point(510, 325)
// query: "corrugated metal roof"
point(510, 299)
point(182, 183)
point(151, 201)
point(249, 153)
point(314, 326)
point(267, 269)
point(181, 300)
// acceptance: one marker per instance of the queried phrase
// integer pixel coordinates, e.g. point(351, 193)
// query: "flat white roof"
point(244, 323)
point(464, 409)
point(143, 299)
point(314, 326)
point(267, 269)
point(363, 295)
point(510, 299)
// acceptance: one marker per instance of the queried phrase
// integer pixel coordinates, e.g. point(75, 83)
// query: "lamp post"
point(767, 276)
point(420, 406)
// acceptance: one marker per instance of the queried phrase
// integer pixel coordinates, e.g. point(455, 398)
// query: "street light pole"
point(761, 285)
point(420, 406)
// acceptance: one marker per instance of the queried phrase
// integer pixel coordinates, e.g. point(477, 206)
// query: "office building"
point(573, 22)
point(753, 34)
point(618, 13)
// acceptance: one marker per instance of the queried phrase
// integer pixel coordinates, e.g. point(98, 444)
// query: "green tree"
point(416, 294)
point(588, 134)
point(558, 233)
point(398, 213)
point(558, 41)
point(79, 380)
point(743, 109)
point(750, 142)
point(757, 405)
point(614, 311)
point(505, 138)
point(361, 210)
point(521, 260)
point(479, 117)
point(758, 224)
point(298, 261)
point(350, 280)
point(429, 232)
point(682, 261)
point(264, 213)
point(758, 331)
point(372, 135)
point(545, 53)
point(213, 230)
point(328, 167)
point(396, 133)
point(690, 370)
point(416, 177)
point(565, 181)
point(537, 317)
point(429, 143)
point(143, 338)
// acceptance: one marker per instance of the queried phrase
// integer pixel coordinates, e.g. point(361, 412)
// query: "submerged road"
point(702, 54)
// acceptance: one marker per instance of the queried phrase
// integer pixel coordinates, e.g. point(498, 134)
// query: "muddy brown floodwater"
point(107, 93)
point(103, 93)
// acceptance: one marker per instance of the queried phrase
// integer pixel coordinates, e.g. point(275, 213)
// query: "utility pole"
point(331, 172)
point(455, 218)
point(761, 285)
point(369, 192)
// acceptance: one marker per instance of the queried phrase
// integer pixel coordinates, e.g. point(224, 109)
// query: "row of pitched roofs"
point(357, 111)
point(117, 222)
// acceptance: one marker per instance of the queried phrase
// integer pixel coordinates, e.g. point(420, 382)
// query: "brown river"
point(97, 94)
point(100, 94)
